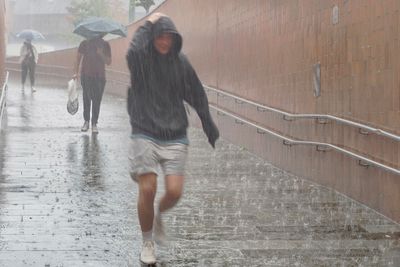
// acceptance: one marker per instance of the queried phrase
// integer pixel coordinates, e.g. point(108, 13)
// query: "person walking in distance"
point(93, 54)
point(161, 80)
point(28, 60)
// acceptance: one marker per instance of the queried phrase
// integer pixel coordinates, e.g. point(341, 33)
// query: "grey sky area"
point(51, 18)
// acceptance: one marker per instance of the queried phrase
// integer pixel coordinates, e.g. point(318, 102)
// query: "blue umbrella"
point(29, 34)
point(95, 26)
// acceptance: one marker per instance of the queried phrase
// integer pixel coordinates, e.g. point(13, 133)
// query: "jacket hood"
point(166, 25)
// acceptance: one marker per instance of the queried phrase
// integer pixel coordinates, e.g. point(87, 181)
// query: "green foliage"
point(81, 9)
point(146, 4)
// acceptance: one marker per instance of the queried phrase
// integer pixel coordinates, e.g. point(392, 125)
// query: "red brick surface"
point(264, 50)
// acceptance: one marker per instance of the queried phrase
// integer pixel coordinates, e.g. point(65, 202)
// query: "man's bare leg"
point(173, 192)
point(147, 193)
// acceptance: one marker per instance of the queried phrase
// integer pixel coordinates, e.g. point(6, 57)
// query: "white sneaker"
point(85, 126)
point(158, 230)
point(33, 89)
point(94, 128)
point(147, 256)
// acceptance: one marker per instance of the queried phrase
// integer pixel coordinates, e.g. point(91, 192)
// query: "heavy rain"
point(199, 133)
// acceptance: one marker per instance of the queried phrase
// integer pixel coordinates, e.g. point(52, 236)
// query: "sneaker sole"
point(148, 264)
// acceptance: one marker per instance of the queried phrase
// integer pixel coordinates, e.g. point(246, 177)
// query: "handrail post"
point(322, 119)
point(321, 147)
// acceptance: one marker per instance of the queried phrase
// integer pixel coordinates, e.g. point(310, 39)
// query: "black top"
point(92, 64)
point(160, 84)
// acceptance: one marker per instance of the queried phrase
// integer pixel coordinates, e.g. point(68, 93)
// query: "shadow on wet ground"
point(66, 199)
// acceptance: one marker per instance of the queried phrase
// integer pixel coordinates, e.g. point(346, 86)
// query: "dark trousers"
point(26, 67)
point(93, 89)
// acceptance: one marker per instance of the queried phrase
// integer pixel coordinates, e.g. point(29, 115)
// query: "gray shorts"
point(146, 156)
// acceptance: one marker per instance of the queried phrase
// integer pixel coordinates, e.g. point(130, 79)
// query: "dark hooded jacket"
point(160, 84)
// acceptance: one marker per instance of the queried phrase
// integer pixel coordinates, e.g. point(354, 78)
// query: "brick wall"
point(265, 50)
point(2, 40)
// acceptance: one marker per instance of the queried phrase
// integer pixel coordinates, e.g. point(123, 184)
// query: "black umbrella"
point(95, 26)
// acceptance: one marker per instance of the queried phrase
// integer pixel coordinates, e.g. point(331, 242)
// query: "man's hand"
point(75, 76)
point(100, 52)
point(153, 18)
point(213, 136)
point(212, 132)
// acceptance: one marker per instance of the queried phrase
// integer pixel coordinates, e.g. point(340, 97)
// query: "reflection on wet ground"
point(66, 200)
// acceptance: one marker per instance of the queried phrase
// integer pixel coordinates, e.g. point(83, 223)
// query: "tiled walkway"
point(66, 200)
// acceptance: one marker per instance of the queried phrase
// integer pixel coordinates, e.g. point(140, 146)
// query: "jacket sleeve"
point(136, 56)
point(196, 97)
point(22, 53)
point(35, 54)
point(143, 36)
point(138, 50)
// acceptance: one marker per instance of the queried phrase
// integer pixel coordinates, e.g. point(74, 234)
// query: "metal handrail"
point(287, 140)
point(3, 97)
point(69, 68)
point(319, 145)
point(287, 114)
point(39, 72)
point(307, 116)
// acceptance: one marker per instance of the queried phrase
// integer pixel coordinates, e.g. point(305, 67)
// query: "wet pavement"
point(66, 200)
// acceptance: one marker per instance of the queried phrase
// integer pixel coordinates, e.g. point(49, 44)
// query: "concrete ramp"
point(66, 199)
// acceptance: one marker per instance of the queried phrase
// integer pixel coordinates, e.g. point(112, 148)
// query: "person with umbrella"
point(28, 60)
point(93, 54)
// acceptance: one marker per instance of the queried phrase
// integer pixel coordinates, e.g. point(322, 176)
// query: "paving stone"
point(66, 199)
